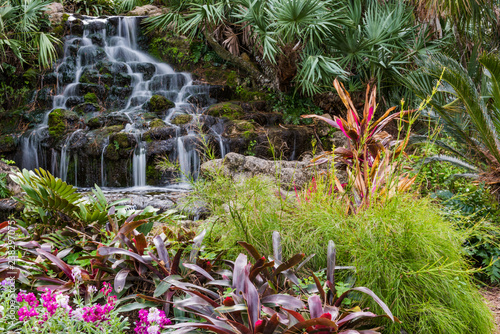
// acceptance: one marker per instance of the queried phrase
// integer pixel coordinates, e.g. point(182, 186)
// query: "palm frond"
point(451, 160)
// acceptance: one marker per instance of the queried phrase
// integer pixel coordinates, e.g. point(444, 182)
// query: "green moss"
point(94, 122)
point(244, 94)
point(90, 98)
point(65, 17)
point(149, 116)
point(58, 122)
point(156, 123)
point(7, 143)
point(244, 125)
point(159, 104)
point(181, 119)
point(231, 79)
point(121, 139)
point(114, 128)
point(58, 30)
point(152, 175)
point(225, 109)
point(248, 135)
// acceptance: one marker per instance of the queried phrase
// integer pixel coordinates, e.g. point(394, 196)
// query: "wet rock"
point(7, 145)
point(195, 210)
point(181, 119)
point(98, 90)
point(199, 100)
point(49, 79)
point(161, 147)
point(74, 101)
point(147, 69)
point(44, 98)
point(225, 109)
point(161, 133)
point(157, 123)
point(265, 118)
point(60, 121)
point(110, 119)
point(86, 108)
point(75, 26)
point(288, 174)
point(97, 39)
point(159, 104)
point(122, 80)
point(221, 93)
point(67, 69)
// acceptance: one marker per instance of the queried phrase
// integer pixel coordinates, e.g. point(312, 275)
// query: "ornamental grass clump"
point(403, 249)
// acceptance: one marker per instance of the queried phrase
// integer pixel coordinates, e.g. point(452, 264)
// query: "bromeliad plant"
point(372, 154)
point(248, 304)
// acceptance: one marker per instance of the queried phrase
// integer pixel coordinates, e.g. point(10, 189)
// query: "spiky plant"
point(470, 113)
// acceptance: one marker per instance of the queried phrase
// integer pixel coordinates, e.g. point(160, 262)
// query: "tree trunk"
point(248, 67)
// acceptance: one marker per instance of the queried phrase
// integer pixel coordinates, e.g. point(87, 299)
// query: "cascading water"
point(106, 61)
point(64, 162)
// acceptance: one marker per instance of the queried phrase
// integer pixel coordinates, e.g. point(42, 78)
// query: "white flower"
point(91, 289)
point(154, 315)
point(153, 329)
point(62, 301)
point(1, 310)
point(76, 273)
point(78, 314)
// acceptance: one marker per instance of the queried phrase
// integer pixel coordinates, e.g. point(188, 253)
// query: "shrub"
point(403, 250)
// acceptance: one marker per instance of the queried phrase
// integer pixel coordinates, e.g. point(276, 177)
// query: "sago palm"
point(470, 112)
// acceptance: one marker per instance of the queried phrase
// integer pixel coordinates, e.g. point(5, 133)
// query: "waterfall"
point(108, 50)
point(103, 167)
point(64, 162)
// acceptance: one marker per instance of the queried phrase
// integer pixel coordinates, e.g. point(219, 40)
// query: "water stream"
point(112, 43)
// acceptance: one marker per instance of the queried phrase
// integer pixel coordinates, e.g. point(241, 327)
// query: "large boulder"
point(288, 174)
point(147, 10)
point(55, 13)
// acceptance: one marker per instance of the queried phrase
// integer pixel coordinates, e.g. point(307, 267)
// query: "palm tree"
point(305, 44)
point(470, 112)
point(21, 33)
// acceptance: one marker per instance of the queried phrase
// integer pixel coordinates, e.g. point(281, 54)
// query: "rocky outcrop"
point(55, 13)
point(288, 174)
point(147, 10)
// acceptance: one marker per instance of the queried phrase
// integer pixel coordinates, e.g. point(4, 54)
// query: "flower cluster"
point(52, 302)
point(152, 321)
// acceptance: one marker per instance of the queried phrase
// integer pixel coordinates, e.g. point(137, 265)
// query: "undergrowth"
point(403, 250)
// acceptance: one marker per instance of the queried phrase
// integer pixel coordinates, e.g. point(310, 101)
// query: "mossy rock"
point(156, 123)
point(232, 79)
point(114, 128)
point(181, 119)
point(7, 144)
point(244, 125)
point(158, 104)
point(86, 108)
point(149, 116)
point(226, 109)
point(59, 121)
point(121, 139)
point(90, 98)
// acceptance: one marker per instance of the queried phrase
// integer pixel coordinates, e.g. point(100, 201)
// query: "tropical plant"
point(305, 44)
point(50, 201)
point(251, 305)
point(469, 114)
point(23, 33)
point(57, 312)
point(371, 158)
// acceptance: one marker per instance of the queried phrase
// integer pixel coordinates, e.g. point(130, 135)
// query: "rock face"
point(147, 10)
point(55, 12)
point(290, 174)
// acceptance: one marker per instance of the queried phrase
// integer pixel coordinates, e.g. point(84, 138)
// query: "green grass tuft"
point(404, 250)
